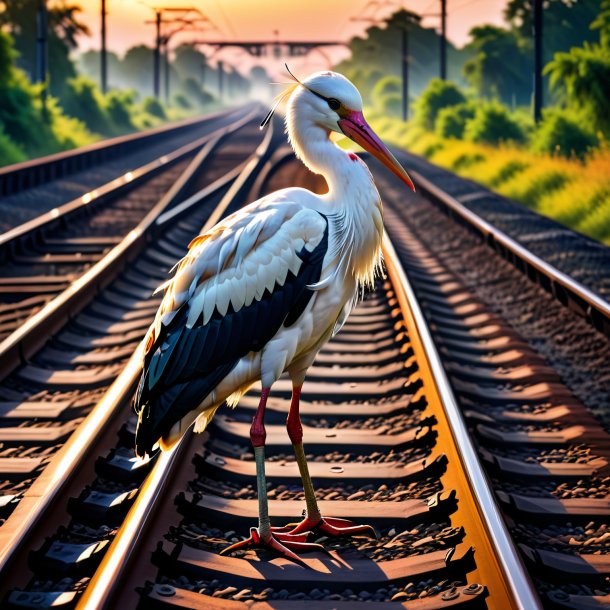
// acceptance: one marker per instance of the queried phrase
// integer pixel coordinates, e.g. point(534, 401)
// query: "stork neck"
point(342, 171)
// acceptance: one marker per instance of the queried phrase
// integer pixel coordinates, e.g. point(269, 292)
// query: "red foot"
point(282, 543)
point(329, 526)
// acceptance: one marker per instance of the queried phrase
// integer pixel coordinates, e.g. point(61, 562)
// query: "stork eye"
point(334, 104)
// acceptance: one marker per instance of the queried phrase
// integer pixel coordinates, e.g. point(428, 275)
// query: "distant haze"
point(259, 20)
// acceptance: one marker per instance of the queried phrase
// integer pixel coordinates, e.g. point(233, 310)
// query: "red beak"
point(357, 129)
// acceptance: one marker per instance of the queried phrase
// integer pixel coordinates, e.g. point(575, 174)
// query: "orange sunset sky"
point(258, 19)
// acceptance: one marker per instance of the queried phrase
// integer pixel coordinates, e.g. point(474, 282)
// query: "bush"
point(182, 101)
point(385, 87)
point(9, 151)
point(492, 124)
point(83, 101)
point(195, 92)
point(392, 105)
point(560, 133)
point(438, 94)
point(119, 105)
point(451, 121)
point(153, 107)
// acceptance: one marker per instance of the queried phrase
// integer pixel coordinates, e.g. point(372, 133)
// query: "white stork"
point(261, 292)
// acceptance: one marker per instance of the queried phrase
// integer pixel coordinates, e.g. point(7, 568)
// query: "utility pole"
point(166, 67)
point(42, 47)
point(409, 18)
point(162, 40)
point(103, 54)
point(157, 54)
point(443, 42)
point(405, 71)
point(220, 68)
point(537, 60)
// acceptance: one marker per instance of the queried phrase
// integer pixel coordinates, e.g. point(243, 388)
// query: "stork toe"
point(281, 542)
point(329, 526)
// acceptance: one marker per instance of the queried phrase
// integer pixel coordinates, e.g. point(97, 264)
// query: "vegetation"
point(376, 57)
point(492, 123)
point(451, 120)
point(438, 94)
point(573, 191)
point(559, 167)
point(562, 133)
point(26, 129)
point(75, 112)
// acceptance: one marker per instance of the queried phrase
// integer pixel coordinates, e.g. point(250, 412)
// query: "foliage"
point(438, 94)
point(566, 22)
point(20, 115)
point(489, 72)
point(9, 151)
point(118, 104)
point(492, 124)
point(195, 93)
point(182, 101)
point(18, 17)
point(451, 121)
point(137, 68)
point(377, 54)
point(392, 105)
point(388, 85)
point(89, 64)
point(189, 62)
point(563, 133)
point(152, 106)
point(84, 102)
point(582, 76)
point(572, 191)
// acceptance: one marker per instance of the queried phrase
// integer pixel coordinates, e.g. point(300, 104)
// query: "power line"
point(225, 18)
point(467, 3)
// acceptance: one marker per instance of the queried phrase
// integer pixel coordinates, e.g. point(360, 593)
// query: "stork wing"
point(230, 295)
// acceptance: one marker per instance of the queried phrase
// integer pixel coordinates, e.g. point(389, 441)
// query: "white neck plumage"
point(352, 200)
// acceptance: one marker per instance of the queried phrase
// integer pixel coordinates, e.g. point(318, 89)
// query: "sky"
point(268, 19)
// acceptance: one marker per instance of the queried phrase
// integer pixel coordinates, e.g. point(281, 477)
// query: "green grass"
point(572, 191)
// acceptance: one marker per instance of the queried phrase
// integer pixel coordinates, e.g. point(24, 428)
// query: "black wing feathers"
point(185, 364)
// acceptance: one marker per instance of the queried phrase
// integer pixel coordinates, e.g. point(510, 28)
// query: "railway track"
point(94, 164)
point(59, 363)
point(389, 442)
point(42, 257)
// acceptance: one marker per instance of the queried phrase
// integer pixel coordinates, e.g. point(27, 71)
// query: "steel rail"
point(566, 289)
point(39, 499)
point(20, 345)
point(105, 581)
point(44, 222)
point(20, 176)
point(501, 567)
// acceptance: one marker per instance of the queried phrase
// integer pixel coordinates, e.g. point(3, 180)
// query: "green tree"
point(137, 68)
point(378, 54)
point(563, 133)
point(18, 17)
point(493, 124)
point(581, 77)
point(89, 65)
point(439, 94)
point(84, 102)
point(23, 127)
point(189, 62)
point(566, 22)
point(501, 67)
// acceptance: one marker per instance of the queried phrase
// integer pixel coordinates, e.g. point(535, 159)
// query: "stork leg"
point(313, 520)
point(282, 542)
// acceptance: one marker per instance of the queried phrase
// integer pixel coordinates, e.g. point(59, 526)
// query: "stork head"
point(332, 102)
